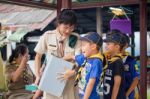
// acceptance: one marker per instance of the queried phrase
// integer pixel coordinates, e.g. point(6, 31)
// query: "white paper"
point(49, 82)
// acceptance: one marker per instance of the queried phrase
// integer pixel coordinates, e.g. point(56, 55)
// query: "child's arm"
point(135, 76)
point(69, 73)
point(89, 88)
point(132, 87)
point(117, 82)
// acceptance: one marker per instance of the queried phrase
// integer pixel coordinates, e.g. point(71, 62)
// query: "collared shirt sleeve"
point(41, 46)
point(96, 69)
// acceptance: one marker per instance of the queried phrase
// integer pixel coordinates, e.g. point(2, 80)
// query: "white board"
point(49, 82)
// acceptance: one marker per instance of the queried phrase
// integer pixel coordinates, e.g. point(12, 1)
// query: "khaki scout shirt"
point(49, 44)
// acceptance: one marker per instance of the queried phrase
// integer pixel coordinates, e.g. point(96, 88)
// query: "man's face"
point(65, 29)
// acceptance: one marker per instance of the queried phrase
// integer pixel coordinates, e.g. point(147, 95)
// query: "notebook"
point(49, 82)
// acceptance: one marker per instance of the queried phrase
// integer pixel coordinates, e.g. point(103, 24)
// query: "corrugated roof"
point(27, 17)
point(7, 8)
point(21, 15)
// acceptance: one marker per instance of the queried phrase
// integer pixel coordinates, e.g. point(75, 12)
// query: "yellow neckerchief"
point(114, 58)
point(124, 56)
point(78, 75)
point(98, 55)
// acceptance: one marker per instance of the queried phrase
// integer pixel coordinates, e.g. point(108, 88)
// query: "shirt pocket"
point(52, 49)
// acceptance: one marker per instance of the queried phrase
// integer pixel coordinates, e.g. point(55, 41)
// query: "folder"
point(49, 82)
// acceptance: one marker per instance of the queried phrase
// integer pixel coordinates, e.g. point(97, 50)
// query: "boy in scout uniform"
point(131, 71)
point(59, 42)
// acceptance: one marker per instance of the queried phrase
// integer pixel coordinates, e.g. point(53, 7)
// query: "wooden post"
point(98, 21)
point(59, 5)
point(143, 49)
point(9, 50)
point(66, 4)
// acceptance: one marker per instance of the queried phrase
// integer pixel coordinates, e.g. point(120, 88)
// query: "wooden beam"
point(59, 6)
point(66, 4)
point(103, 4)
point(31, 4)
point(143, 49)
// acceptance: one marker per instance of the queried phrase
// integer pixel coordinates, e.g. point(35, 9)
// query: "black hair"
point(125, 35)
point(115, 31)
point(127, 38)
point(19, 50)
point(67, 16)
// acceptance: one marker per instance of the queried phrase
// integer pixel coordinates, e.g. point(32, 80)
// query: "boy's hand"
point(65, 75)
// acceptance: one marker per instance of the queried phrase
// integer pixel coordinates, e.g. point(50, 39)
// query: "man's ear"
point(72, 41)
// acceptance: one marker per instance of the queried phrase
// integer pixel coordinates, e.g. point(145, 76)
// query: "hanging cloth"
point(124, 25)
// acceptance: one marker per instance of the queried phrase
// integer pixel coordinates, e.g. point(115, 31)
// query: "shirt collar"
point(58, 35)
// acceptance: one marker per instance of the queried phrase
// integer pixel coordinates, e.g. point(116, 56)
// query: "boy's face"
point(65, 29)
point(111, 47)
point(86, 48)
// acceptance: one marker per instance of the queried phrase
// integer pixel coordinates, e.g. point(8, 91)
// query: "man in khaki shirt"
point(59, 42)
